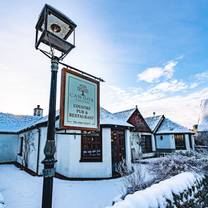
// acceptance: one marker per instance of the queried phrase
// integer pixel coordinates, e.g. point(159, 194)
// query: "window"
point(21, 146)
point(146, 143)
point(180, 141)
point(91, 147)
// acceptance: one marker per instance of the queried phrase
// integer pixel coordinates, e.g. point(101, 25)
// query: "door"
point(117, 148)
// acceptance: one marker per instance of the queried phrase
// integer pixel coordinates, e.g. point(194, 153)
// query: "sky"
point(152, 54)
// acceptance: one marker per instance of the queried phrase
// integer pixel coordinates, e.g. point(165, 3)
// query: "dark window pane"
point(146, 143)
point(91, 147)
point(180, 141)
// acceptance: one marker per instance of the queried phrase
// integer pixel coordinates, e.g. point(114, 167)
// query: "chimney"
point(38, 111)
point(154, 113)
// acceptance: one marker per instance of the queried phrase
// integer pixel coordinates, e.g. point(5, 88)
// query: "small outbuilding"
point(170, 136)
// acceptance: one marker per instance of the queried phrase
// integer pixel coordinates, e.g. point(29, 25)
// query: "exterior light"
point(53, 28)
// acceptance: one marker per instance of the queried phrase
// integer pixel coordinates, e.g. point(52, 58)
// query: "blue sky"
point(150, 53)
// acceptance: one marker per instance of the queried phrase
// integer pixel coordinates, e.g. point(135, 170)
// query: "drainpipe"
point(38, 153)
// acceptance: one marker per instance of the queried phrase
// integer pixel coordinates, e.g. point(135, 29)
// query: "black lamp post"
point(52, 30)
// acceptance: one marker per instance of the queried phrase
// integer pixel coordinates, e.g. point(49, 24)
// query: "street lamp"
point(52, 30)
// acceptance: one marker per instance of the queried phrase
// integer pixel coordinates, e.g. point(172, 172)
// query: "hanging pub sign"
point(80, 101)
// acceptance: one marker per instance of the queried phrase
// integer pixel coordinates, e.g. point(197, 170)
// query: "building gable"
point(169, 127)
point(137, 120)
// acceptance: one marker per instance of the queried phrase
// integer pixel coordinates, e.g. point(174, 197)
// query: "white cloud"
point(154, 73)
point(150, 74)
point(194, 85)
point(184, 109)
point(172, 86)
point(169, 68)
point(202, 76)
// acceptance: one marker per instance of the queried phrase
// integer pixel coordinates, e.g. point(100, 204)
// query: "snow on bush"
point(160, 193)
point(1, 201)
point(133, 180)
point(176, 163)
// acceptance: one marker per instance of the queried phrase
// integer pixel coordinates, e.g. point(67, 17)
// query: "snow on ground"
point(21, 190)
point(1, 201)
point(156, 195)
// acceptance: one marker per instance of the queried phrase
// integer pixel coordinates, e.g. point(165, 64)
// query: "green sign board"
point(80, 104)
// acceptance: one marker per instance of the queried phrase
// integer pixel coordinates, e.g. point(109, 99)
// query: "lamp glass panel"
point(57, 26)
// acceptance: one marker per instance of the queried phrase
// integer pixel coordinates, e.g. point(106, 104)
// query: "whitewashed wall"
point(128, 149)
point(193, 142)
point(168, 141)
point(153, 143)
point(69, 155)
point(8, 147)
point(33, 153)
point(187, 143)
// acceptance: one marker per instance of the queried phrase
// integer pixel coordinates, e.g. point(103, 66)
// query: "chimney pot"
point(38, 111)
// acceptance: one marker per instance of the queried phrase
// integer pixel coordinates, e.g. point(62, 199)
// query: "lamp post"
point(52, 30)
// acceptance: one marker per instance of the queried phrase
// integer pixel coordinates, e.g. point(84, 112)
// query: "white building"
point(123, 136)
point(170, 136)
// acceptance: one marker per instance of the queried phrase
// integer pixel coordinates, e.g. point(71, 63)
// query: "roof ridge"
point(154, 116)
point(124, 111)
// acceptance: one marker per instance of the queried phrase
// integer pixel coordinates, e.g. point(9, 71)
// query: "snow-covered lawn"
point(1, 201)
point(21, 190)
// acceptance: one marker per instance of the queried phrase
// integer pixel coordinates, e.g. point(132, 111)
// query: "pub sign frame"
point(79, 101)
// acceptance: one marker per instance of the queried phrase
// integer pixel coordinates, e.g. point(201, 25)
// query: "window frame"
point(84, 158)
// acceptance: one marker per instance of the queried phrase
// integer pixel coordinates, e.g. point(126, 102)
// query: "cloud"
point(202, 76)
point(169, 68)
point(184, 109)
point(150, 74)
point(153, 74)
point(194, 85)
point(172, 86)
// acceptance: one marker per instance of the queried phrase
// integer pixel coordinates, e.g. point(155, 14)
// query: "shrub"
point(176, 163)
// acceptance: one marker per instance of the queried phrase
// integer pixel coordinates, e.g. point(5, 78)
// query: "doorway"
point(118, 151)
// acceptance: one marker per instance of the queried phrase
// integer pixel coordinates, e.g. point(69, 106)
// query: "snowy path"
point(20, 190)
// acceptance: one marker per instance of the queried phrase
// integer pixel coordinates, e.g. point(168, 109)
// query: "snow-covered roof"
point(169, 126)
point(14, 123)
point(153, 121)
point(124, 115)
point(119, 118)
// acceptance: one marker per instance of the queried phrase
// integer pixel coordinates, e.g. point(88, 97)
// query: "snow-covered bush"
point(1, 201)
point(176, 163)
point(201, 138)
point(133, 180)
point(184, 190)
point(194, 197)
